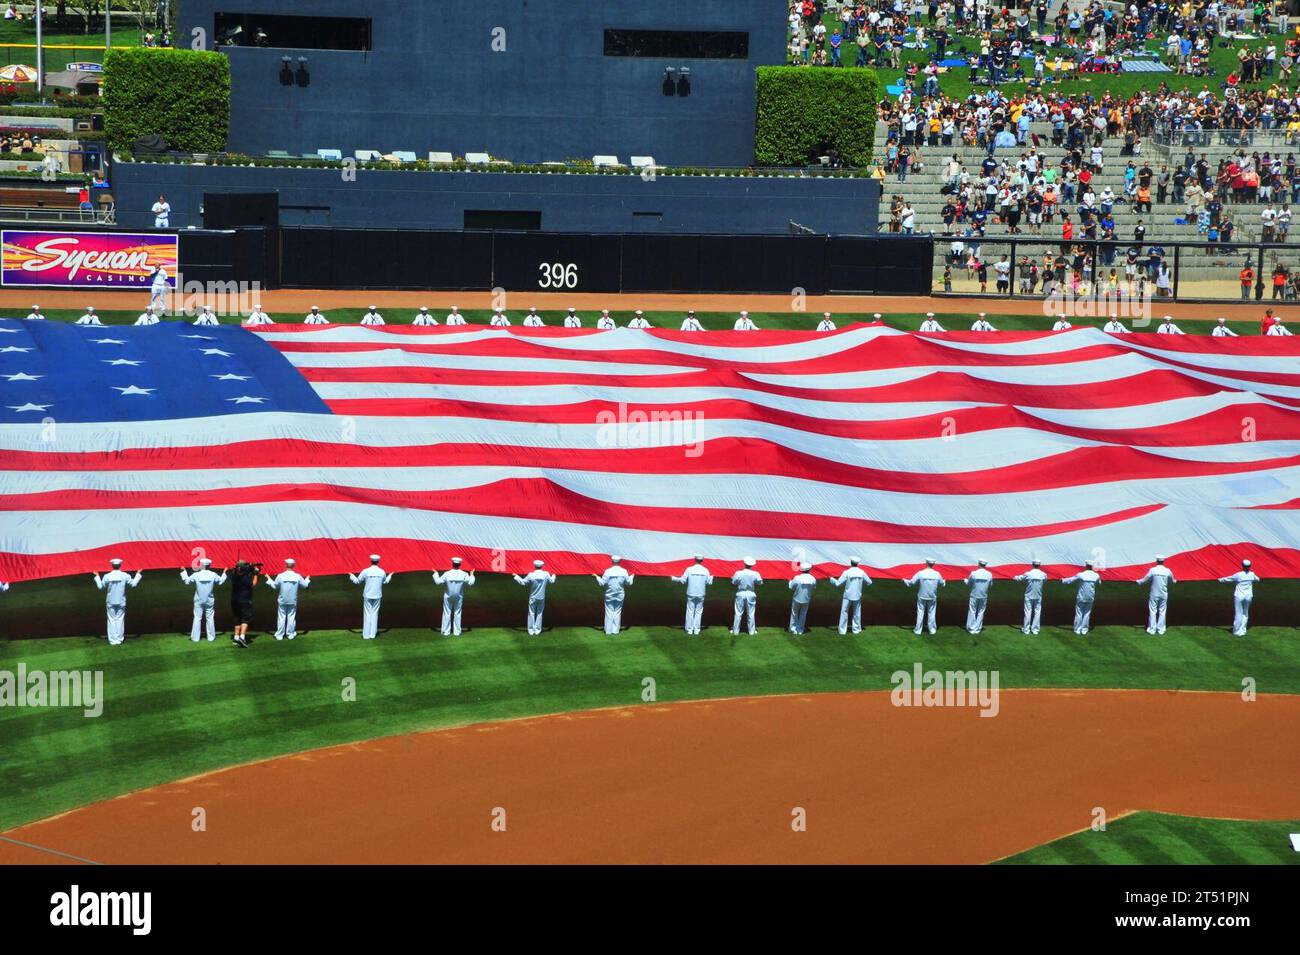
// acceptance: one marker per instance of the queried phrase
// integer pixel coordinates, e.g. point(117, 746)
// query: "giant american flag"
point(326, 443)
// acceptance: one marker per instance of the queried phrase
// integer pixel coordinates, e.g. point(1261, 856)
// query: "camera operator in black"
point(243, 581)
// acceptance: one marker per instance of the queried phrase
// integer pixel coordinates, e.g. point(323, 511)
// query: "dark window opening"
point(514, 219)
point(678, 44)
point(287, 32)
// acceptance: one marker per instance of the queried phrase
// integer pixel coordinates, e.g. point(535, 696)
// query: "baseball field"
point(651, 746)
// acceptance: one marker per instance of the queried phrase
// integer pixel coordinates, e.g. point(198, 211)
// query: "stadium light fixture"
point(670, 80)
point(684, 81)
point(303, 77)
point(286, 71)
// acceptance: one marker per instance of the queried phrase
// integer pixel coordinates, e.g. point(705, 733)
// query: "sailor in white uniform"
point(533, 320)
point(372, 581)
point(746, 581)
point(639, 320)
point(615, 580)
point(802, 585)
point(690, 323)
point(204, 581)
point(827, 324)
point(852, 580)
point(536, 582)
point(453, 583)
point(1161, 578)
point(1087, 579)
point(1243, 592)
point(1115, 327)
point(1278, 329)
point(605, 322)
point(982, 324)
point(147, 317)
point(927, 582)
point(422, 317)
point(697, 580)
point(454, 317)
point(572, 319)
point(114, 584)
point(205, 317)
point(499, 318)
point(286, 584)
point(35, 314)
point(1221, 330)
point(372, 317)
point(314, 317)
point(1062, 324)
point(931, 324)
point(90, 318)
point(979, 581)
point(1033, 580)
point(745, 323)
point(1167, 327)
point(258, 317)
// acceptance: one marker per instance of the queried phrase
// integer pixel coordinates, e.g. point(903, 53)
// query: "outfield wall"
point(562, 203)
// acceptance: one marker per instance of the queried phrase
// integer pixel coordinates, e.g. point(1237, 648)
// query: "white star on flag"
point(216, 351)
point(29, 407)
point(230, 377)
point(23, 376)
point(246, 400)
point(121, 361)
point(9, 348)
point(108, 341)
point(9, 331)
point(133, 390)
point(202, 338)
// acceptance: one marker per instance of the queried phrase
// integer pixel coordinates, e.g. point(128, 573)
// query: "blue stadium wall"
point(566, 203)
point(431, 80)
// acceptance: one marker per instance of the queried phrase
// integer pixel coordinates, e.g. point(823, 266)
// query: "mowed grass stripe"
point(174, 709)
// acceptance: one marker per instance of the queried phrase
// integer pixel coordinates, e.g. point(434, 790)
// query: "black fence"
point(305, 257)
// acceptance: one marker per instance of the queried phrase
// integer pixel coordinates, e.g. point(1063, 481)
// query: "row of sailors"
point(744, 323)
point(696, 579)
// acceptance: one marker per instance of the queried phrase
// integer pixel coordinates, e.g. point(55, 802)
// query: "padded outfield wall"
point(524, 80)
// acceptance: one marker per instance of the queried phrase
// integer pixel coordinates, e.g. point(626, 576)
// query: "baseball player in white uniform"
point(1221, 329)
point(615, 580)
point(114, 584)
point(605, 322)
point(572, 319)
point(453, 583)
point(744, 323)
point(802, 585)
point(927, 582)
point(1243, 592)
point(852, 580)
point(422, 317)
point(1033, 580)
point(1087, 579)
point(639, 320)
point(454, 317)
point(746, 581)
point(162, 211)
point(147, 317)
point(372, 317)
point(697, 580)
point(690, 323)
point(1161, 578)
point(537, 581)
point(205, 580)
point(286, 585)
point(314, 317)
point(979, 581)
point(372, 580)
point(35, 314)
point(158, 290)
point(827, 324)
point(205, 317)
point(931, 324)
point(90, 318)
point(258, 317)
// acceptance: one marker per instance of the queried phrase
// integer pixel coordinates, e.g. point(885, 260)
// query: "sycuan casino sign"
point(85, 259)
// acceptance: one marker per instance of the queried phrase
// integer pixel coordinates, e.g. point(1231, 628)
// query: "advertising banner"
point(85, 259)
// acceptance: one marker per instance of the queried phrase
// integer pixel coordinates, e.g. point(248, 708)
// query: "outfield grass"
point(173, 708)
point(718, 321)
point(1157, 838)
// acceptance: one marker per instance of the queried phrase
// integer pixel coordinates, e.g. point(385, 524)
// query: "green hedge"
point(802, 112)
point(181, 95)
